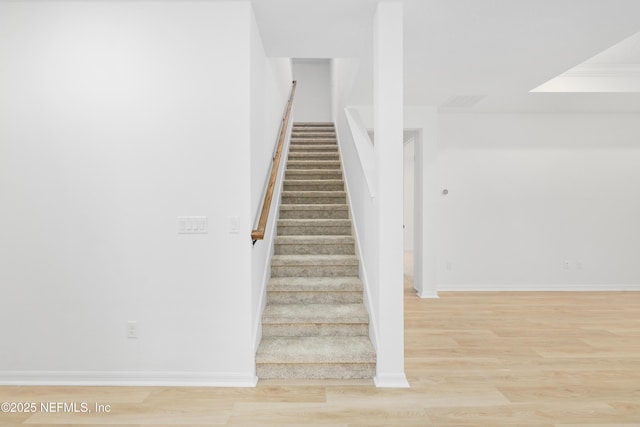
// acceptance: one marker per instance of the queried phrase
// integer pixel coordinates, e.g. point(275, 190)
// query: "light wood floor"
point(472, 359)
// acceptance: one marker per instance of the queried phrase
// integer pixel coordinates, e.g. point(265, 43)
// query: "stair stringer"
point(362, 271)
point(270, 238)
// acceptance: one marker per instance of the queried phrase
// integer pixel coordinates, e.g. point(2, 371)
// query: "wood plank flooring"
point(472, 359)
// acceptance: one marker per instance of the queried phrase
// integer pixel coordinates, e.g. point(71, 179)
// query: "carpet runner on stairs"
point(315, 324)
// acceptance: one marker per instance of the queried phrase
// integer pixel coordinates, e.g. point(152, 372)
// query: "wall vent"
point(462, 101)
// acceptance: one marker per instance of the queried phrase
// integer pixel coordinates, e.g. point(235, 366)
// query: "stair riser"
point(313, 141)
point(315, 371)
point(310, 134)
point(314, 186)
point(315, 285)
point(314, 330)
point(314, 125)
point(299, 174)
point(299, 155)
point(314, 271)
point(311, 249)
point(310, 297)
point(303, 148)
point(314, 214)
point(309, 184)
point(301, 230)
point(312, 164)
point(314, 200)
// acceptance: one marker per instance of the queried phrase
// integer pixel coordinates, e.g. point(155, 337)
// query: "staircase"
point(315, 324)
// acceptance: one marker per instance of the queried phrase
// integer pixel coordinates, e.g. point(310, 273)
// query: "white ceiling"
point(314, 28)
point(499, 49)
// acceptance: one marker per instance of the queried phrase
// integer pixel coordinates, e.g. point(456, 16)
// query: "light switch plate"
point(192, 225)
point(234, 224)
point(132, 329)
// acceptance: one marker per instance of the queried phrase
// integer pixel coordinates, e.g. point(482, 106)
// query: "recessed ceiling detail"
point(616, 70)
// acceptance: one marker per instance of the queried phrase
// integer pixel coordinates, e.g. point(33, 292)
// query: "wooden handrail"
point(258, 233)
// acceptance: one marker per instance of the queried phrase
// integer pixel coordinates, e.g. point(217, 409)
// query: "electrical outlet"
point(132, 329)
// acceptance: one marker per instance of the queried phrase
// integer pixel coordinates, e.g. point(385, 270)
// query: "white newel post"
point(388, 127)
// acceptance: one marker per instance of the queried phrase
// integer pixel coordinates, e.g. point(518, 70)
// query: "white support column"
point(388, 127)
point(425, 207)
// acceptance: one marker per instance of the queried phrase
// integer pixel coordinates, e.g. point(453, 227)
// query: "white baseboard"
point(391, 381)
point(426, 294)
point(538, 287)
point(140, 379)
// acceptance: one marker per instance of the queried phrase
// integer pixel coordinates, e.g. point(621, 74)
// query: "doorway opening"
point(410, 139)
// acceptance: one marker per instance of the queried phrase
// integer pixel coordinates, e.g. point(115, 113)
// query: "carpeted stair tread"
point(315, 240)
point(315, 245)
point(313, 173)
point(313, 260)
point(314, 196)
point(314, 227)
point(330, 155)
point(314, 211)
point(313, 164)
point(314, 124)
point(315, 313)
point(313, 155)
point(315, 290)
point(314, 185)
point(309, 132)
point(310, 193)
point(321, 349)
point(316, 222)
point(313, 207)
point(315, 284)
point(315, 170)
point(314, 140)
point(319, 371)
point(315, 324)
point(313, 181)
point(303, 148)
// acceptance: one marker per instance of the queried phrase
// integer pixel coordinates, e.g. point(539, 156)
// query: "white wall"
point(313, 91)
point(408, 193)
point(115, 118)
point(270, 88)
point(342, 77)
point(539, 202)
point(361, 194)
